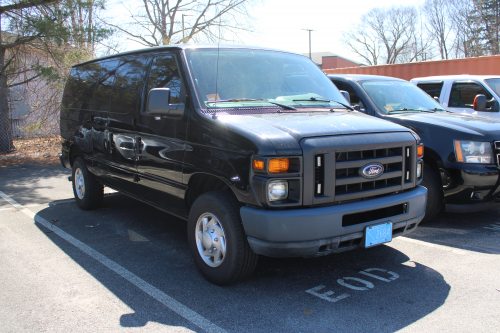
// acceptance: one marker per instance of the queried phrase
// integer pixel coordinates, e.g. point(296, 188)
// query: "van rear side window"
point(433, 89)
point(102, 92)
point(128, 79)
point(83, 81)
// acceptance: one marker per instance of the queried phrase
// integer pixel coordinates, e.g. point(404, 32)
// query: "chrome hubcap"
point(79, 184)
point(210, 240)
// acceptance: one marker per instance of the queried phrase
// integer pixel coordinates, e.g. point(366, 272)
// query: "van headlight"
point(277, 190)
point(473, 152)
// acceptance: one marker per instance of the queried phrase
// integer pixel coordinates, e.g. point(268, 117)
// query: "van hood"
point(472, 126)
point(285, 130)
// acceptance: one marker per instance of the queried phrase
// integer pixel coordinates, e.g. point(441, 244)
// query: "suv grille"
point(497, 147)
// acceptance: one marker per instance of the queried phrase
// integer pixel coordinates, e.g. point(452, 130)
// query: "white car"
point(457, 93)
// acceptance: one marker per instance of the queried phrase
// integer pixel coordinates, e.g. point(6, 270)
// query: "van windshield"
point(399, 96)
point(260, 78)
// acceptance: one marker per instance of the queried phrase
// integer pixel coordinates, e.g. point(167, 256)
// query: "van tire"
point(89, 193)
point(214, 220)
point(432, 182)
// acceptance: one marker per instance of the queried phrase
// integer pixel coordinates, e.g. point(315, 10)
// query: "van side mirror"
point(346, 96)
point(159, 103)
point(479, 103)
point(437, 99)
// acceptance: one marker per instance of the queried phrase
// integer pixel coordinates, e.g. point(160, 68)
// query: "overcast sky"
point(279, 23)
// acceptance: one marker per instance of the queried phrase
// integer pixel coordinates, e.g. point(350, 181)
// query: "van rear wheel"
point(217, 240)
point(88, 192)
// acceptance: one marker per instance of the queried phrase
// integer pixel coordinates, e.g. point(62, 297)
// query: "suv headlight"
point(473, 152)
point(277, 190)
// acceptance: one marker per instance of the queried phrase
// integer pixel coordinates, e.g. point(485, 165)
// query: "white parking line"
point(157, 294)
point(436, 246)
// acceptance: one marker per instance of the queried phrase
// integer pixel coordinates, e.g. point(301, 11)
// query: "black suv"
point(252, 147)
point(462, 152)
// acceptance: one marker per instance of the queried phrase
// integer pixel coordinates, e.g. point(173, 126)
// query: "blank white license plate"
point(378, 234)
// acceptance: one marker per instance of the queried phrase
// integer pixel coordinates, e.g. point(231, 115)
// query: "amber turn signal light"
point(458, 151)
point(279, 165)
point(420, 151)
point(258, 165)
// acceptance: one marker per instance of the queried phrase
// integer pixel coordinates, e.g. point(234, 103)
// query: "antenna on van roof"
point(214, 116)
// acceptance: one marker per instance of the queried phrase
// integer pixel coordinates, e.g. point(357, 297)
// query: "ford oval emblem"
point(372, 170)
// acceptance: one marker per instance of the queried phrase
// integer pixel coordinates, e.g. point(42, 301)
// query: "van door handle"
point(138, 143)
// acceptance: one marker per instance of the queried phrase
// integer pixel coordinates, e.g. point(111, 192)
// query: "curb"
point(29, 156)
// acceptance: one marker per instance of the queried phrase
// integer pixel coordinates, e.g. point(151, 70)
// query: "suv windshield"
point(399, 96)
point(494, 84)
point(254, 78)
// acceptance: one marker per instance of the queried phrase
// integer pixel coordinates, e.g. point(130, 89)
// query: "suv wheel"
point(217, 240)
point(432, 181)
point(88, 192)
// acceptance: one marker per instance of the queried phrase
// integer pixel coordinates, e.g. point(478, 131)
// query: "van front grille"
point(346, 168)
point(349, 182)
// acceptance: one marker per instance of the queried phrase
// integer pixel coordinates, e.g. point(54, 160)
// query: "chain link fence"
point(30, 125)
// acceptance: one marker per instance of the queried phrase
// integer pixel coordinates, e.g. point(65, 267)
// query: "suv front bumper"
point(317, 231)
point(472, 187)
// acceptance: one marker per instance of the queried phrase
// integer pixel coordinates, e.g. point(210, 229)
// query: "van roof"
point(184, 47)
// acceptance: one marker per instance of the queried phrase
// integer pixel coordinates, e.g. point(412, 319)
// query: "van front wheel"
point(217, 240)
point(88, 192)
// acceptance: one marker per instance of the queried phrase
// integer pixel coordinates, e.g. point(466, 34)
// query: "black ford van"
point(253, 147)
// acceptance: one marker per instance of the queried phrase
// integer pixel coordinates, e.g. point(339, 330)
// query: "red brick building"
point(329, 60)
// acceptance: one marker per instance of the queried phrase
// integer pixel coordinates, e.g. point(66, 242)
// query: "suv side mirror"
point(494, 105)
point(159, 103)
point(346, 96)
point(479, 103)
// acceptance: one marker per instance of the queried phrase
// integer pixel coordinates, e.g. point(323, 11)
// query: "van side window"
point(165, 74)
point(87, 77)
point(105, 84)
point(70, 90)
point(128, 79)
point(463, 93)
point(433, 89)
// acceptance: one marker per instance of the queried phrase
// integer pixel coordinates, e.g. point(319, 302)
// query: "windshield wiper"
point(235, 100)
point(412, 110)
point(443, 110)
point(321, 99)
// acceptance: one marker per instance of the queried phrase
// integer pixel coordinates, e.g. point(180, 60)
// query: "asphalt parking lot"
point(127, 267)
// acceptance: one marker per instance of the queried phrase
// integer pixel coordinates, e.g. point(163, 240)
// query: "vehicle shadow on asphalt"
point(153, 246)
point(26, 182)
point(478, 232)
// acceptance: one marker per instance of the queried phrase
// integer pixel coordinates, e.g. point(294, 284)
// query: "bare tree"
point(364, 43)
point(166, 22)
point(391, 29)
point(439, 25)
point(466, 28)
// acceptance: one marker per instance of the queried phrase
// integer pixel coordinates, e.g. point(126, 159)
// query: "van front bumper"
point(317, 231)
